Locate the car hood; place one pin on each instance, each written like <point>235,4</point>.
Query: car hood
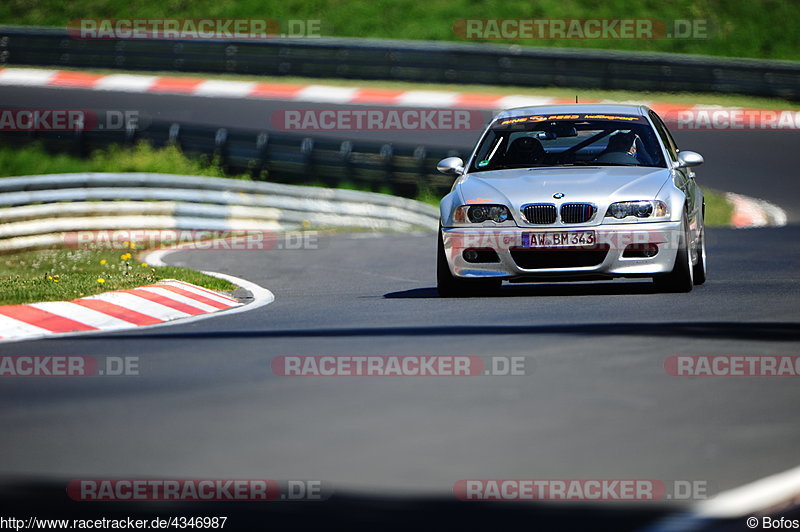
<point>601,185</point>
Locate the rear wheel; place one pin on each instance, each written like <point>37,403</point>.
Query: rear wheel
<point>450,286</point>
<point>680,279</point>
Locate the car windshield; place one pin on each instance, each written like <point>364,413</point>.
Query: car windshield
<point>568,140</point>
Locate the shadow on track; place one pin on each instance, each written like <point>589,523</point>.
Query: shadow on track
<point>548,289</point>
<point>760,331</point>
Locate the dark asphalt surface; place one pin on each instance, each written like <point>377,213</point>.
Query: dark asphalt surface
<point>598,403</point>
<point>756,163</point>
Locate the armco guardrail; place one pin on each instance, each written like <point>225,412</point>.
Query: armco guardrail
<point>405,170</point>
<point>41,211</point>
<point>435,62</point>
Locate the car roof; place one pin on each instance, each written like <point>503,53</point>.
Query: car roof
<point>639,110</point>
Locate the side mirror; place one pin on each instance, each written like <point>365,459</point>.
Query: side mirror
<point>688,159</point>
<point>451,166</point>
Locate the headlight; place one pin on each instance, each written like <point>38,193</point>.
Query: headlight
<point>639,209</point>
<point>482,213</point>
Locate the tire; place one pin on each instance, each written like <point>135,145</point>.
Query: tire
<point>699,269</point>
<point>450,286</point>
<point>680,279</point>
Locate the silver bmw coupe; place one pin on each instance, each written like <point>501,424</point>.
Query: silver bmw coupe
<point>572,192</point>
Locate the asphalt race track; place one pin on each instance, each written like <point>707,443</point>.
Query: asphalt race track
<point>761,164</point>
<point>597,403</point>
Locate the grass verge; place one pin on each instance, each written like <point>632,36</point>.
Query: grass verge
<point>35,160</point>
<point>719,210</point>
<point>754,28</point>
<point>63,275</point>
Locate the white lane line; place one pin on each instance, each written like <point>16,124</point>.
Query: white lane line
<point>237,89</point>
<point>142,305</point>
<point>427,99</point>
<point>169,294</point>
<point>509,102</point>
<point>19,329</point>
<point>762,494</point>
<point>125,83</point>
<point>25,76</point>
<point>769,494</point>
<point>326,93</point>
<point>82,314</point>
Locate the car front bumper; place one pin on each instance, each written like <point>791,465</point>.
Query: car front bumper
<point>603,258</point>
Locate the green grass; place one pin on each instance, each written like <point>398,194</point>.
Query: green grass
<point>34,160</point>
<point>719,210</point>
<point>63,275</point>
<point>755,28</point>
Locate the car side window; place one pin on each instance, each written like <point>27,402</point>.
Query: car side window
<point>666,138</point>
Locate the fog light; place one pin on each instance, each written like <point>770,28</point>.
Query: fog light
<point>640,251</point>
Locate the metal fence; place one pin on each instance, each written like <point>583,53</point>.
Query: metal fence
<point>48,210</point>
<point>435,62</point>
<point>405,170</point>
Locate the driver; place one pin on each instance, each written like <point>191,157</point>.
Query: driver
<point>524,151</point>
<point>621,149</point>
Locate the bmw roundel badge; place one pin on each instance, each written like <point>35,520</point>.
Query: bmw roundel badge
<point>558,195</point>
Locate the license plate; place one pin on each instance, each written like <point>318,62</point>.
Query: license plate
<point>558,239</point>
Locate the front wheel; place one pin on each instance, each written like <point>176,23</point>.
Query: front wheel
<point>450,286</point>
<point>699,269</point>
<point>681,278</point>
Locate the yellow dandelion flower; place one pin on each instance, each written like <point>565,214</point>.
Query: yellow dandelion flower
<point>126,244</point>
<point>133,245</point>
<point>144,265</point>
<point>103,262</point>
<point>55,280</point>
<point>50,277</point>
<point>101,280</point>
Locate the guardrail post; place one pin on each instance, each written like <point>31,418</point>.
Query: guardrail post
<point>307,152</point>
<point>80,142</point>
<point>4,53</point>
<point>262,149</point>
<point>130,133</point>
<point>220,148</point>
<point>174,138</point>
<point>387,156</point>
<point>420,155</point>
<point>346,153</point>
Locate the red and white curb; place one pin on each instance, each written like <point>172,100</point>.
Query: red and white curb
<point>218,88</point>
<point>165,302</point>
<point>752,212</point>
